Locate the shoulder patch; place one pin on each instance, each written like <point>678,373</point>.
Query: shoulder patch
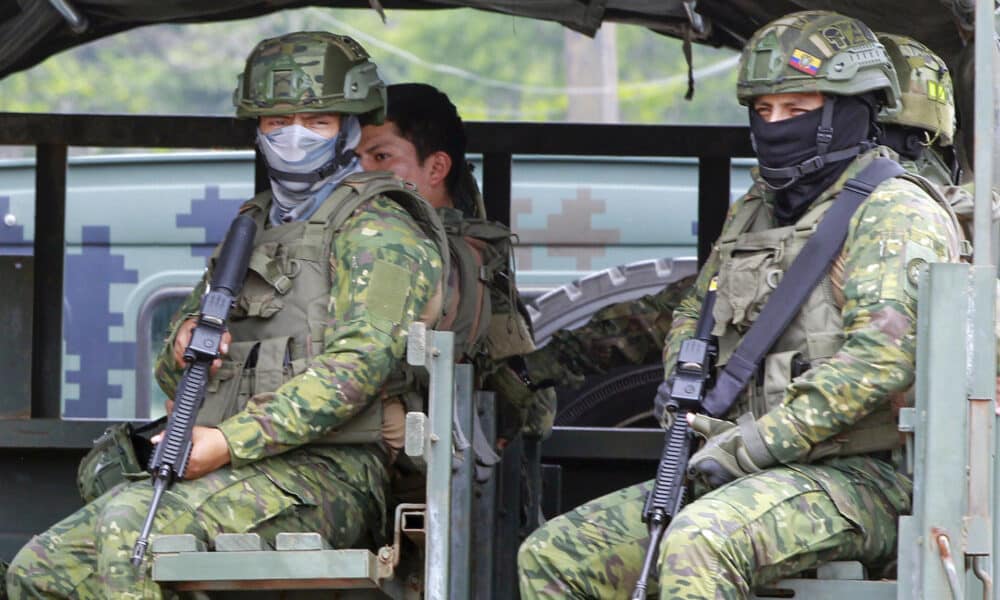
<point>386,298</point>
<point>916,259</point>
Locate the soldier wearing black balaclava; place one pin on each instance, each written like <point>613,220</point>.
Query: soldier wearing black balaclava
<point>800,469</point>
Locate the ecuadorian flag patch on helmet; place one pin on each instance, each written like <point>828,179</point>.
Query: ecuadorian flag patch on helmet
<point>805,62</point>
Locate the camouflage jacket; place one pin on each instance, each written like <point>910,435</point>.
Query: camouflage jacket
<point>877,358</point>
<point>622,334</point>
<point>363,346</point>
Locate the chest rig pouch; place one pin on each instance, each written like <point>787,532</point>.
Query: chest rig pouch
<point>753,261</point>
<point>278,322</point>
<point>770,333</point>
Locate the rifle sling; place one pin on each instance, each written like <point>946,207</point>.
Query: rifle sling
<point>799,280</point>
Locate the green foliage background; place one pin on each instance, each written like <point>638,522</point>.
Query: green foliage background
<point>494,67</point>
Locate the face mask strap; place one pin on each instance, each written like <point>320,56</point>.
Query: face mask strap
<point>824,133</point>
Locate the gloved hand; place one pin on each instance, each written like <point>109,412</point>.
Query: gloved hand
<point>663,416</point>
<point>730,451</point>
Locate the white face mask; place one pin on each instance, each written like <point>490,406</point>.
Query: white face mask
<point>296,149</point>
<point>304,166</point>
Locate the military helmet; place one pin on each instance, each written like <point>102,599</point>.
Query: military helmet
<point>309,71</point>
<point>927,93</point>
<point>816,51</point>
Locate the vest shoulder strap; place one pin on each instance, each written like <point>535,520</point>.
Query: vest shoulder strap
<point>257,204</point>
<point>802,276</point>
<point>256,208</point>
<point>743,218</point>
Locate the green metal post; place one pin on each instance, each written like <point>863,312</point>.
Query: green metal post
<point>484,505</point>
<point>435,351</point>
<point>461,488</point>
<point>16,322</point>
<point>983,387</point>
<point>931,540</point>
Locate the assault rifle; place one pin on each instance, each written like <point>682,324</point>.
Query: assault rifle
<point>690,382</point>
<point>170,459</point>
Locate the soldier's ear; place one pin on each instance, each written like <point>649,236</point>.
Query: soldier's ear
<point>438,165</point>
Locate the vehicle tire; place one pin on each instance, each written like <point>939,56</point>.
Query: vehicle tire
<point>622,397</point>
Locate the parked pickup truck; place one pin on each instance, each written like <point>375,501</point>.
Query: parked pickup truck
<point>139,229</point>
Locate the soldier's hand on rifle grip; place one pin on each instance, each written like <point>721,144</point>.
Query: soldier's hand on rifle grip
<point>183,338</point>
<point>209,451</point>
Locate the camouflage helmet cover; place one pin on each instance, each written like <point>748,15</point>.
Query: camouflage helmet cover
<point>816,51</point>
<point>927,93</point>
<point>309,71</point>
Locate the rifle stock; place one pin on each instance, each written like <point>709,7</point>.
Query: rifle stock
<point>170,459</point>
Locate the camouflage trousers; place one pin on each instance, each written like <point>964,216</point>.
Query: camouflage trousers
<point>338,491</point>
<point>753,531</point>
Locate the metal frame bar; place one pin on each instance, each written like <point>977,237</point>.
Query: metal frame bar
<point>497,179</point>
<point>484,505</point>
<point>125,131</point>
<point>460,584</point>
<point>440,348</point>
<point>940,457</point>
<point>508,521</point>
<point>984,345</point>
<point>16,273</point>
<point>50,250</point>
<point>713,184</point>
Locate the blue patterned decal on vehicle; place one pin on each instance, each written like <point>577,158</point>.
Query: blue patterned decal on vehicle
<point>88,320</point>
<point>213,214</point>
<point>12,236</point>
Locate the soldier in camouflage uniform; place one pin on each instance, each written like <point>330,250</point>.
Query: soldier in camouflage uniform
<point>318,334</point>
<point>807,476</point>
<point>922,134</point>
<point>923,131</point>
<point>423,141</point>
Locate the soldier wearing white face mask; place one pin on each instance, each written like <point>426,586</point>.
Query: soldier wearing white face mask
<point>342,263</point>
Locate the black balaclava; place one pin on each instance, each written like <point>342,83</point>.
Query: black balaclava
<point>909,142</point>
<point>804,155</point>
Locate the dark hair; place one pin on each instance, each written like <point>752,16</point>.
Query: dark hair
<point>427,119</point>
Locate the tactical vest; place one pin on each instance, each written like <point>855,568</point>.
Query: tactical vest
<point>753,256</point>
<point>278,321</point>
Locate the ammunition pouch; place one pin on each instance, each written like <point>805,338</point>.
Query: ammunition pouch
<point>120,454</point>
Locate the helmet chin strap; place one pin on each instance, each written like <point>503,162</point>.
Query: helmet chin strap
<point>824,137</point>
